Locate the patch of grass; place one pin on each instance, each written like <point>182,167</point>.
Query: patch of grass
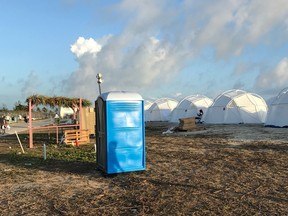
<point>64,153</point>
<point>83,153</point>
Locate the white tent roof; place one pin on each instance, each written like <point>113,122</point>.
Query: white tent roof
<point>161,110</point>
<point>63,111</point>
<point>270,101</point>
<point>147,104</point>
<point>190,106</point>
<point>278,111</point>
<point>235,107</point>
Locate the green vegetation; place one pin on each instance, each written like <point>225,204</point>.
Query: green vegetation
<point>20,107</point>
<point>83,153</point>
<point>56,101</point>
<point>55,155</point>
<point>3,108</point>
<point>45,102</point>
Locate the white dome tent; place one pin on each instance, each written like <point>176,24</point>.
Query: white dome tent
<point>147,104</point>
<point>237,107</point>
<point>190,106</point>
<point>278,111</point>
<point>270,101</point>
<point>161,110</point>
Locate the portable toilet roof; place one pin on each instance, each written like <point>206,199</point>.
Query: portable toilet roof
<point>190,106</point>
<point>121,95</point>
<point>237,107</point>
<point>161,110</point>
<point>278,111</point>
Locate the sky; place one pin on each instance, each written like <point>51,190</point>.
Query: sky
<point>163,48</point>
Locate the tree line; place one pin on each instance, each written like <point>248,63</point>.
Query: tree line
<point>18,106</point>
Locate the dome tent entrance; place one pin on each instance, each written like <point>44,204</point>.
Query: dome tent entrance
<point>235,107</point>
<point>190,106</point>
<point>161,110</point>
<point>278,111</point>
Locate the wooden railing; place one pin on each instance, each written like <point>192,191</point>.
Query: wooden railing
<point>77,137</point>
<point>57,128</point>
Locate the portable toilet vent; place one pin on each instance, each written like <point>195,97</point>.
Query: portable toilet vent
<point>120,132</point>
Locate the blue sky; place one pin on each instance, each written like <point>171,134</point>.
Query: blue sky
<point>157,48</point>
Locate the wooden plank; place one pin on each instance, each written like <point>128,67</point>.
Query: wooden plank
<point>81,136</point>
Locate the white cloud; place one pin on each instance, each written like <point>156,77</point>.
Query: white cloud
<point>125,66</point>
<point>178,94</point>
<point>229,26</point>
<point>244,68</point>
<point>83,46</point>
<point>238,85</point>
<point>160,38</point>
<point>30,84</point>
<point>276,78</point>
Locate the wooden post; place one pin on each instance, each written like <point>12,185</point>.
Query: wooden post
<point>30,124</point>
<point>19,141</point>
<point>80,113</point>
<point>57,134</point>
<point>74,113</point>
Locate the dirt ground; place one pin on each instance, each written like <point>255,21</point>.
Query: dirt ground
<point>212,170</point>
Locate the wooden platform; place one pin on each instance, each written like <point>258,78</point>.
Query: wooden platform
<point>74,137</point>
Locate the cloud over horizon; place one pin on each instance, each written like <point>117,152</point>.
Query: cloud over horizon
<point>275,78</point>
<point>30,84</point>
<point>160,39</point>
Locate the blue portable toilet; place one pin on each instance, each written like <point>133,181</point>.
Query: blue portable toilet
<point>120,132</point>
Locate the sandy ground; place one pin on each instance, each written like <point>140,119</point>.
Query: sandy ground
<point>212,170</point>
<point>21,126</point>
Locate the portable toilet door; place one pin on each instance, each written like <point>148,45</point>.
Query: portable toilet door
<point>120,132</point>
